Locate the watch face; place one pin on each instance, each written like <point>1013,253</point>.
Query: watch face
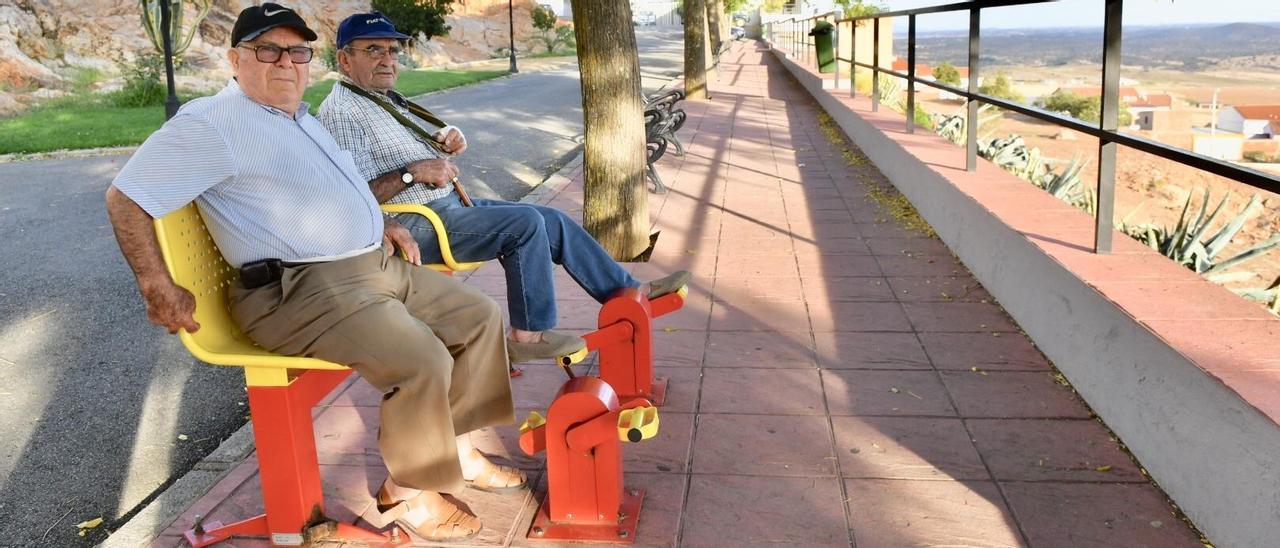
<point>406,177</point>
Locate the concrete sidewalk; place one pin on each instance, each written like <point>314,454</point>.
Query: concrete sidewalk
<point>836,379</point>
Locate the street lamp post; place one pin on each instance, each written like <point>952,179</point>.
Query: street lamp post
<point>170,102</point>
<point>511,20</point>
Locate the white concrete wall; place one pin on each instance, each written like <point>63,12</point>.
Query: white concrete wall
<point>1217,456</point>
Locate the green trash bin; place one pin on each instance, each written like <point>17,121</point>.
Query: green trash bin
<point>823,33</point>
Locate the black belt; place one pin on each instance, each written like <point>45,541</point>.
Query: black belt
<point>259,273</point>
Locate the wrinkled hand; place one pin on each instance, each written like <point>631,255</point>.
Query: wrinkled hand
<point>437,173</point>
<point>452,142</point>
<point>171,307</point>
<point>396,236</point>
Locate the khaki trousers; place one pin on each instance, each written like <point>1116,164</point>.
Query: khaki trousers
<point>434,347</point>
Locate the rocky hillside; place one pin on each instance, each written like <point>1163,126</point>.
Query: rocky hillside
<point>45,44</point>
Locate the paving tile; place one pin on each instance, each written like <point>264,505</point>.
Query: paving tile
<point>693,316</point>
<point>894,247</point>
<point>765,445</point>
<point>855,392</point>
<point>683,388</point>
<point>734,289</point>
<point>756,315</point>
<point>906,448</point>
<point>762,391</point>
<point>988,351</point>
<point>859,316</point>
<point>1086,514</point>
<point>1009,394</point>
<point>678,347</point>
<point>939,289</point>
<point>847,289</point>
<point>929,513</point>
<point>958,317</point>
<point>887,230</point>
<point>348,435</point>
<point>765,266</point>
<point>667,452</point>
<point>1049,450</point>
<point>836,266</point>
<point>760,349</point>
<point>758,511</point>
<point>921,266</point>
<point>849,350</point>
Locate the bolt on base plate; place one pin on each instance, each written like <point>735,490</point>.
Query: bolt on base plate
<point>622,532</point>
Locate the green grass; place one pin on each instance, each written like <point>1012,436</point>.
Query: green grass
<point>92,122</point>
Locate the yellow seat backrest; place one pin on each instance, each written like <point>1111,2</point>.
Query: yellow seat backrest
<point>197,265</point>
<point>442,237</point>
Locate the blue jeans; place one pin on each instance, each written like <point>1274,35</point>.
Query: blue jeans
<point>526,239</point>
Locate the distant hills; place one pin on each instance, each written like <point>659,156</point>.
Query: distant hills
<point>1180,47</point>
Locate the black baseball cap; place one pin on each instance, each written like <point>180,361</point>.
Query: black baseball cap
<point>255,20</point>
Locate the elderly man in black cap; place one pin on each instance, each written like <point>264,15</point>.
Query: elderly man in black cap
<point>406,162</point>
<point>318,278</point>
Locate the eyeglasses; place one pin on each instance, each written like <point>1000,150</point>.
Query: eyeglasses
<point>299,55</point>
<point>379,52</point>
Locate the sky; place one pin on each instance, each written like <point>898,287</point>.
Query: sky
<point>1070,13</point>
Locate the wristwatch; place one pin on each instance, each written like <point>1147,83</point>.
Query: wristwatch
<point>406,177</point>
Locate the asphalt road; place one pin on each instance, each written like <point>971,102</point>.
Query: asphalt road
<point>102,410</point>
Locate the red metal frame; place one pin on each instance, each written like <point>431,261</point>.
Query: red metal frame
<point>288,467</point>
<point>625,343</point>
<point>585,499</point>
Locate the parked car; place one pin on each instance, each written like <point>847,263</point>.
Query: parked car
<point>644,19</point>
<point>737,33</point>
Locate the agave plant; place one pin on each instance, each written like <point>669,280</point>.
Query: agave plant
<point>1067,186</point>
<point>180,34</point>
<point>952,128</point>
<point>1188,244</point>
<point>1269,296</point>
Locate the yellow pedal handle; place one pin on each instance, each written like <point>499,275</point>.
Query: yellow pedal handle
<point>534,420</point>
<point>683,291</point>
<point>573,358</point>
<point>638,423</point>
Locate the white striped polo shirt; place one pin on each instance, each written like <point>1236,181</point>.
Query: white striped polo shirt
<point>268,184</point>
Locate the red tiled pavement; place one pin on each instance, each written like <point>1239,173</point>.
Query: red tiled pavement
<point>835,378</point>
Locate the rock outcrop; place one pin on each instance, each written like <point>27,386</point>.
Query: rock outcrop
<point>45,43</point>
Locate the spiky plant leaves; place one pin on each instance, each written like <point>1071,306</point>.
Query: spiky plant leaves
<point>1251,253</point>
<point>1224,236</point>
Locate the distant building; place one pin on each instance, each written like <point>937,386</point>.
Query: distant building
<point>1251,121</point>
<point>1165,120</point>
<point>654,12</point>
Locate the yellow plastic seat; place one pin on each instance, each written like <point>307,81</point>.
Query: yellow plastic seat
<point>449,265</point>
<point>197,265</point>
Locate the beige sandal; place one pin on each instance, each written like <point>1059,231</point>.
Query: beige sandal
<point>458,526</point>
<point>495,479</point>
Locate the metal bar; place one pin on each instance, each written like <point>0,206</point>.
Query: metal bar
<point>875,62</point>
<point>1106,197</point>
<point>971,123</point>
<point>911,74</point>
<point>958,6</point>
<point>835,54</point>
<point>1251,177</point>
<point>853,59</point>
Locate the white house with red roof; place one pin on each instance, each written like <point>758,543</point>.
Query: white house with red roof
<point>1251,121</point>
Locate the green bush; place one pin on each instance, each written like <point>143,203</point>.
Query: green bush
<point>1257,156</point>
<point>1088,109</point>
<point>142,84</point>
<point>416,16</point>
<point>329,57</point>
<point>1001,87</point>
<point>946,73</point>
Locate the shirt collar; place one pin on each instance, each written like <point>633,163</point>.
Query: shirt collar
<point>304,108</point>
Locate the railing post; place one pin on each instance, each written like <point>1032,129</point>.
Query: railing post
<point>853,59</point>
<point>971,123</point>
<point>911,73</point>
<point>1110,121</point>
<point>875,63</point>
<point>835,46</point>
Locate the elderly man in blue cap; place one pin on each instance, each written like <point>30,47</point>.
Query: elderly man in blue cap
<point>407,162</point>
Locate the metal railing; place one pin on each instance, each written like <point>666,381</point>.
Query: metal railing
<point>792,36</point>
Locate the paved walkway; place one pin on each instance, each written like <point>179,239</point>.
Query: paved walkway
<point>835,378</point>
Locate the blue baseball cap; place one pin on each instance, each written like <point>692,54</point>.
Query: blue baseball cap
<point>367,25</point>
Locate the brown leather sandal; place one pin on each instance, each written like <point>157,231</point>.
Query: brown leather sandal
<point>458,526</point>
<point>494,478</point>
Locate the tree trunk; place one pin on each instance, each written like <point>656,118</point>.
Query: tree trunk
<point>695,50</point>
<point>714,29</point>
<point>616,201</point>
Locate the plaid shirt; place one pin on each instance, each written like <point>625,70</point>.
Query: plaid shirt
<point>378,142</point>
